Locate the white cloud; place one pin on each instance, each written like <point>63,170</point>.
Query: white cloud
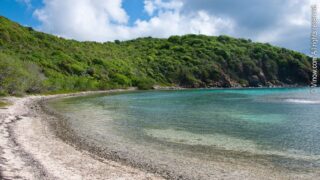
<point>173,23</point>
<point>281,23</point>
<point>292,28</point>
<point>26,2</point>
<point>151,6</point>
<point>82,19</point>
<point>104,20</point>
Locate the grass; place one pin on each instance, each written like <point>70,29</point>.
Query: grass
<point>4,104</point>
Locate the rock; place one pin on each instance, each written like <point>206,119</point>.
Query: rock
<point>254,81</point>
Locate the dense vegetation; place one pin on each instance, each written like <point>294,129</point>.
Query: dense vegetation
<point>33,62</point>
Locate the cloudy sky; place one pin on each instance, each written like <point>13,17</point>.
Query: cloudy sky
<point>283,23</point>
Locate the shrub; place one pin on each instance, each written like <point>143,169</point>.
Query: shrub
<point>18,77</point>
<point>121,79</point>
<point>143,83</point>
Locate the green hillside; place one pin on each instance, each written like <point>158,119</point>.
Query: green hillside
<point>34,62</point>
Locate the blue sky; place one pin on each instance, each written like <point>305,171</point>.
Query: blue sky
<point>21,11</point>
<point>284,23</point>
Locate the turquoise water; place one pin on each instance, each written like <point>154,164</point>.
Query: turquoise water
<point>283,124</point>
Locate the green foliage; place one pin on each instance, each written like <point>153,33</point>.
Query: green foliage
<point>121,80</point>
<point>4,104</point>
<point>33,62</point>
<point>143,83</point>
<point>18,77</point>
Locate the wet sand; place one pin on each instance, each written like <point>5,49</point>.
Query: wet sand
<point>31,149</point>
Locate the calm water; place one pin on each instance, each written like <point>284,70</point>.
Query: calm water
<point>280,125</point>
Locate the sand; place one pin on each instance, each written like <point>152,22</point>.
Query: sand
<point>29,150</point>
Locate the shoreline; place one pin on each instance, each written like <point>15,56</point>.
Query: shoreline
<point>30,150</point>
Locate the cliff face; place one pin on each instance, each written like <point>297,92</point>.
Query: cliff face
<point>50,63</point>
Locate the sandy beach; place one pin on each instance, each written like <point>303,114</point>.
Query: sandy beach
<point>29,150</point>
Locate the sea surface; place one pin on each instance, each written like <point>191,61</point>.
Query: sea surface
<point>183,130</point>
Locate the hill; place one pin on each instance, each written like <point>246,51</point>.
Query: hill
<point>34,62</point>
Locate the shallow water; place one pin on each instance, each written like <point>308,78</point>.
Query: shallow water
<point>281,126</point>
